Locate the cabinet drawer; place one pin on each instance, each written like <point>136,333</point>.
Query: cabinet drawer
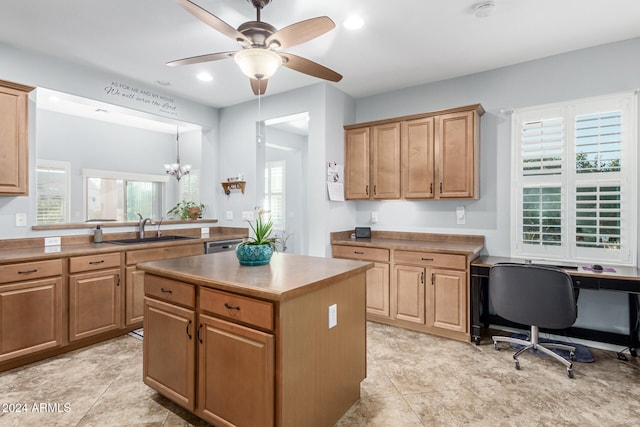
<point>169,290</point>
<point>236,307</point>
<point>458,262</point>
<point>30,270</point>
<point>167,252</point>
<point>361,253</point>
<point>94,262</point>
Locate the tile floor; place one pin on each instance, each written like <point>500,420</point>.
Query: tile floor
<point>413,380</point>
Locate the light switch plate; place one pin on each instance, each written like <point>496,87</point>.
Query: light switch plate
<point>460,215</point>
<point>230,215</point>
<point>21,220</point>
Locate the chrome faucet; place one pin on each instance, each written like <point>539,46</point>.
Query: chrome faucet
<point>159,233</point>
<point>141,224</point>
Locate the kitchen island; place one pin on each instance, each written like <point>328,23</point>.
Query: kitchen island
<point>281,344</point>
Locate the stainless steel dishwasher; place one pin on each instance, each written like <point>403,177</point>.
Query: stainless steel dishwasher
<point>221,246</point>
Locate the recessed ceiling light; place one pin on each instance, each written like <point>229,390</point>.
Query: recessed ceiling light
<point>485,9</point>
<point>163,82</point>
<point>353,22</point>
<point>205,77</point>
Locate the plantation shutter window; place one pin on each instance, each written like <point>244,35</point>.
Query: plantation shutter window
<point>574,181</point>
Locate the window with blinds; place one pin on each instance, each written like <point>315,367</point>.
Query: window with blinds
<point>275,192</point>
<point>574,179</point>
<point>52,192</point>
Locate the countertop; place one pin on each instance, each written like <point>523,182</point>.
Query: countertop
<point>443,243</point>
<point>10,255</point>
<point>286,277</point>
<point>583,269</point>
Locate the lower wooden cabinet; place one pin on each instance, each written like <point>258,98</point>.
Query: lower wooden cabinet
<point>31,317</point>
<point>94,303</point>
<point>378,289</point>
<point>236,374</point>
<point>409,294</point>
<point>447,307</point>
<point>134,296</point>
<point>169,351</point>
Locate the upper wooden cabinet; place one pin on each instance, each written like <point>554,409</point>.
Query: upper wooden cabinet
<point>425,156</point>
<point>14,142</point>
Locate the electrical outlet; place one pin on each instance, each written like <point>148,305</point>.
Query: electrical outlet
<point>21,220</point>
<point>247,215</point>
<point>52,241</point>
<point>460,216</point>
<point>333,315</point>
<point>230,215</point>
<point>204,232</point>
<point>374,217</point>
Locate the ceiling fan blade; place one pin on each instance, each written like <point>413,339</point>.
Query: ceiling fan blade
<point>301,32</point>
<point>202,58</point>
<point>259,87</point>
<point>309,67</point>
<point>212,21</point>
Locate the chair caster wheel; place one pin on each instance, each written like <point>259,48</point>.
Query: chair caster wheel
<point>517,364</point>
<point>570,373</point>
<point>572,356</point>
<point>495,346</point>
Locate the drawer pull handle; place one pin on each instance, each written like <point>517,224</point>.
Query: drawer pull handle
<point>230,307</point>
<point>96,262</point>
<point>28,271</point>
<point>426,259</point>
<point>189,324</point>
<point>199,338</point>
<point>358,252</point>
<point>166,291</point>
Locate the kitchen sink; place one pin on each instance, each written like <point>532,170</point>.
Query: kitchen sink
<point>148,240</point>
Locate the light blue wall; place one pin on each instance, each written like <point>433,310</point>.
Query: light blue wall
<point>328,110</point>
<point>589,72</point>
<point>39,70</point>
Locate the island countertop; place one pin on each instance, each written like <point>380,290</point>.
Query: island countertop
<point>285,277</point>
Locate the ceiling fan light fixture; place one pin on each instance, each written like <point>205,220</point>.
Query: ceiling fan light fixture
<point>485,9</point>
<point>258,63</point>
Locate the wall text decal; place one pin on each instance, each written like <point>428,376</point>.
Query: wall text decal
<point>164,104</point>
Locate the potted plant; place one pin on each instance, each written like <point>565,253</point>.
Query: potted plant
<point>186,209</point>
<point>257,250</point>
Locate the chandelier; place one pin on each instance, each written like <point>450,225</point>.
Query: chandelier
<point>176,169</point>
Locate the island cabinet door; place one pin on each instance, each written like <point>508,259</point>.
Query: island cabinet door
<point>169,351</point>
<point>236,376</point>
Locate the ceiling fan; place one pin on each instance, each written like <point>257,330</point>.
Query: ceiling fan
<point>260,56</point>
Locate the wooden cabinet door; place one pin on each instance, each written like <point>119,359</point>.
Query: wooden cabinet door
<point>94,303</point>
<point>455,153</point>
<point>236,374</point>
<point>447,300</point>
<point>378,289</point>
<point>169,351</point>
<point>417,159</point>
<point>31,318</point>
<point>408,294</point>
<point>14,143</point>
<point>134,296</point>
<point>385,169</point>
<point>356,174</point>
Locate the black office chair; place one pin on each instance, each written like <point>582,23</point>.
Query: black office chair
<point>535,295</point>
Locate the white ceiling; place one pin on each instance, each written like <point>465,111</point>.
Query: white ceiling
<point>403,43</point>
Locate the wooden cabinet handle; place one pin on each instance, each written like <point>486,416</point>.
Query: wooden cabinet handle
<point>426,259</point>
<point>189,324</point>
<point>230,307</point>
<point>440,187</point>
<point>28,271</point>
<point>200,327</point>
<point>375,190</point>
<point>431,187</point>
<point>422,277</point>
<point>432,278</point>
<point>117,279</point>
<point>166,291</point>
<point>96,262</point>
<point>358,253</point>
<point>367,190</point>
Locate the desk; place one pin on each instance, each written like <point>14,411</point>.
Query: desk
<point>625,279</point>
